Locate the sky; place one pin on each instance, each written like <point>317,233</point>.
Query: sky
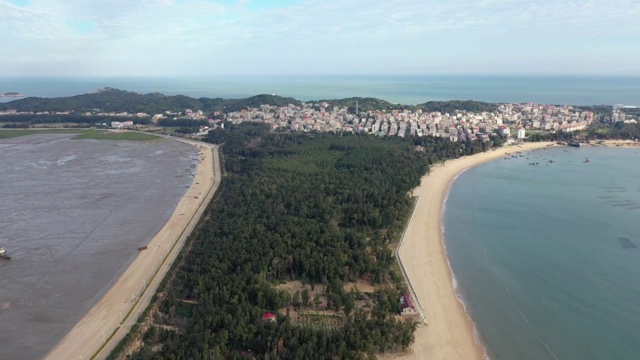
<point>315,37</point>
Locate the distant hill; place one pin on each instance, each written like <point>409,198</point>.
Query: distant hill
<point>110,99</point>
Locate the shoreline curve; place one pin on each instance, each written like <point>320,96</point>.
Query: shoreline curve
<point>422,255</point>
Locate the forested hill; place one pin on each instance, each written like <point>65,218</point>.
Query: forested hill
<point>126,101</point>
<point>114,100</point>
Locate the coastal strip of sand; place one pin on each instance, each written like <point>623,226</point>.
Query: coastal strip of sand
<point>100,330</point>
<point>617,143</point>
<point>449,333</point>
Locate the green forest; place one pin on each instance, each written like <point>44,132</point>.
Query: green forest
<point>317,210</point>
<point>454,105</point>
<point>618,130</point>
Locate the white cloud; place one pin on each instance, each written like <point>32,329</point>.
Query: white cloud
<point>229,37</point>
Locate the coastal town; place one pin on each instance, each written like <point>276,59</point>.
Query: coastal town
<point>510,119</point>
<point>517,120</point>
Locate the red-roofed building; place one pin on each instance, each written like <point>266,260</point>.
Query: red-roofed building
<point>503,131</point>
<point>407,305</point>
<point>269,317</point>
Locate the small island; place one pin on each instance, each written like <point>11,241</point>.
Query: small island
<point>13,94</point>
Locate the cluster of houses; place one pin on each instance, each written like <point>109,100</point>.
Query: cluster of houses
<point>16,112</point>
<point>508,120</point>
<point>121,124</point>
<point>619,115</point>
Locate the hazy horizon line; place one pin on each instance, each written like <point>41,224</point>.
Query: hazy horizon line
<point>390,74</point>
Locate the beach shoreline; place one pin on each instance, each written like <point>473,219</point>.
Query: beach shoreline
<point>449,332</point>
<point>617,143</point>
<point>111,318</point>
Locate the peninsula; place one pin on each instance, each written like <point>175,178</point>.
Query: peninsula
<point>459,121</point>
<point>323,260</point>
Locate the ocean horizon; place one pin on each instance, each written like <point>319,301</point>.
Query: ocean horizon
<point>545,257</point>
<point>402,89</point>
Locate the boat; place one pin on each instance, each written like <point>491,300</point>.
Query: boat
<point>5,257</point>
<point>142,248</point>
<point>586,160</point>
<point>574,144</point>
<point>1,250</point>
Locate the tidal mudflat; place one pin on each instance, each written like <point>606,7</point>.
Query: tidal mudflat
<point>72,215</point>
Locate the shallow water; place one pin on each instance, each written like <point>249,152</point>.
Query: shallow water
<point>72,215</point>
<point>542,253</point>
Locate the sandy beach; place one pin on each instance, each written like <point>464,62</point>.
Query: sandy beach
<point>110,319</point>
<point>449,333</point>
<point>617,143</point>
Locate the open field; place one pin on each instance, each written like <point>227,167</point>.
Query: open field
<point>82,134</point>
<point>7,134</point>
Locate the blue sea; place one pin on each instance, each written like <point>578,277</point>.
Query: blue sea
<point>547,257</point>
<point>404,89</point>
